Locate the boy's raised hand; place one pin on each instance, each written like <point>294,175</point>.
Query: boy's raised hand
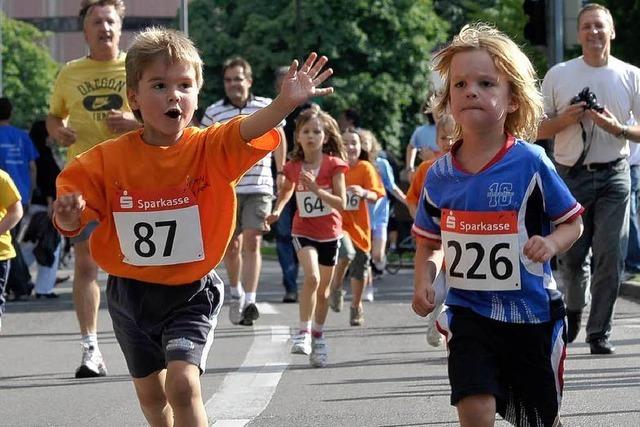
<point>301,84</point>
<point>67,210</point>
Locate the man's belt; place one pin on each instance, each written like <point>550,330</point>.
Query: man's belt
<point>591,167</point>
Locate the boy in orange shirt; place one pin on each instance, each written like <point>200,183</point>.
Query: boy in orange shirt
<point>164,198</point>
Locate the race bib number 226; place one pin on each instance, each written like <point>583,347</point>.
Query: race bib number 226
<point>481,250</point>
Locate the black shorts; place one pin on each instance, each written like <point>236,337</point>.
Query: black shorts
<point>521,365</point>
<point>155,324</point>
<point>327,251</point>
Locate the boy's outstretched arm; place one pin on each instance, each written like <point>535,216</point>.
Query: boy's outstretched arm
<point>297,87</point>
<point>67,210</point>
<point>542,249</point>
<point>428,259</point>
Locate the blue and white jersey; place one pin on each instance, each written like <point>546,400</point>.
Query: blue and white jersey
<point>484,220</point>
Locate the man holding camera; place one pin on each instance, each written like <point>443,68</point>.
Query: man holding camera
<point>588,101</point>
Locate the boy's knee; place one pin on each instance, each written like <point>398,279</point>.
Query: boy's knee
<point>477,410</point>
<point>182,387</point>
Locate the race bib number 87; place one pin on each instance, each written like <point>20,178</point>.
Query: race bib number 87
<point>481,250</point>
<point>158,227</point>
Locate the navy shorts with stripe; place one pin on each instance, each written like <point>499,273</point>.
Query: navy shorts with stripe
<point>522,365</point>
<point>155,324</point>
<point>327,251</point>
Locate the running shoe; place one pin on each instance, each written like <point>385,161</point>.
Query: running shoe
<point>92,365</point>
<point>301,343</point>
<point>249,315</point>
<point>336,300</point>
<point>319,353</point>
<point>357,316</point>
<point>235,309</point>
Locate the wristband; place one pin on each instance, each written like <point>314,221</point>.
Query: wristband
<point>279,173</point>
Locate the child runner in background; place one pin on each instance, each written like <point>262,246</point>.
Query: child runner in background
<point>164,198</point>
<point>379,210</point>
<point>10,216</point>
<point>488,207</point>
<point>363,185</point>
<point>316,174</point>
<point>445,129</point>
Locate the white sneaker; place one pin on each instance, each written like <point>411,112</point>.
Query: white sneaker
<point>92,364</point>
<point>301,344</point>
<point>235,309</point>
<point>434,338</point>
<point>368,293</point>
<point>319,353</point>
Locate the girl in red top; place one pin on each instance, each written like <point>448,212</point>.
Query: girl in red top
<point>316,174</point>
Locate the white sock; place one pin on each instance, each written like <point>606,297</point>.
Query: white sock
<point>91,340</point>
<point>236,291</point>
<point>317,329</point>
<point>250,298</point>
<point>305,327</point>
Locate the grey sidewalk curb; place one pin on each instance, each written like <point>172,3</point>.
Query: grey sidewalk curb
<point>630,289</point>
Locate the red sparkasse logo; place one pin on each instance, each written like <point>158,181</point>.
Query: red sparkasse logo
<point>469,222</point>
<point>153,200</point>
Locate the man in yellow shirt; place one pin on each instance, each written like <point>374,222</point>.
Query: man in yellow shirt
<point>88,106</point>
<point>10,215</point>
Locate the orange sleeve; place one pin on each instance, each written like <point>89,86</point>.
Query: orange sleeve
<point>233,155</point>
<point>413,193</point>
<point>373,182</point>
<point>84,175</point>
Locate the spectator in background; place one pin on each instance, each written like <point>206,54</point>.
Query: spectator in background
<point>89,105</point>
<point>591,150</point>
<point>255,191</point>
<point>422,139</point>
<point>287,257</point>
<point>632,260</point>
<point>41,241</point>
<point>17,158</point>
<point>349,119</point>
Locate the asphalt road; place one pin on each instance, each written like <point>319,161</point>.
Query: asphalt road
<point>382,374</point>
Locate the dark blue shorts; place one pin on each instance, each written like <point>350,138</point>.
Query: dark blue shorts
<point>155,324</point>
<point>521,365</point>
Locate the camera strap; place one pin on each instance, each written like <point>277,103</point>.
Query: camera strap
<point>586,145</point>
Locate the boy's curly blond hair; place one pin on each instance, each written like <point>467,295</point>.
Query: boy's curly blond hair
<point>509,60</point>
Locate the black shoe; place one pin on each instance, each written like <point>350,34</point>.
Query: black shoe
<point>51,295</point>
<point>290,297</point>
<point>250,313</point>
<point>601,346</point>
<point>61,279</point>
<point>574,320</point>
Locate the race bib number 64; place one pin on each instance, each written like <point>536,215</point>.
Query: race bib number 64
<point>481,250</point>
<point>159,227</point>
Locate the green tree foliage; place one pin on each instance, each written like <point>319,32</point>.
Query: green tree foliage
<point>506,15</point>
<point>379,51</point>
<point>626,14</point>
<point>28,70</point>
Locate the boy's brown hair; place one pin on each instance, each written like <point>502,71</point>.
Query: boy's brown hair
<point>509,60</point>
<point>154,43</point>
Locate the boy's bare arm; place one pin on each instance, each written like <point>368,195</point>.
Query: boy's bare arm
<point>67,210</point>
<point>542,249</point>
<point>427,260</point>
<point>297,87</point>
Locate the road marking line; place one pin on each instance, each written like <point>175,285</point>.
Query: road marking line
<point>266,308</point>
<point>244,394</point>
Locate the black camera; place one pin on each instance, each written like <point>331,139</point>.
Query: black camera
<point>591,102</point>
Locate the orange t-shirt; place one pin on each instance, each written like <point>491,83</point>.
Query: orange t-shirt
<point>413,193</point>
<point>355,218</point>
<point>166,214</point>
